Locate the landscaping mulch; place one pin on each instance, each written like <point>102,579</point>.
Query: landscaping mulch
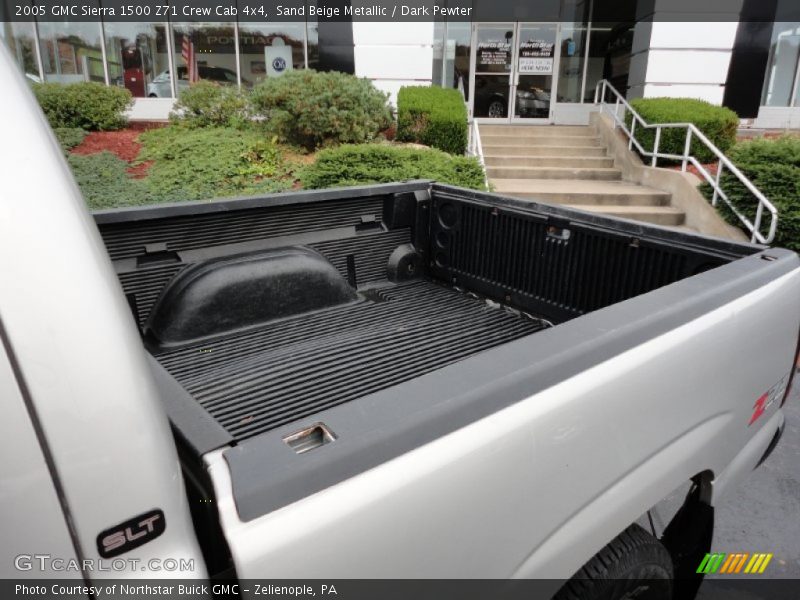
<point>124,143</point>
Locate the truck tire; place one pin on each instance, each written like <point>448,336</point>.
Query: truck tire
<point>634,565</point>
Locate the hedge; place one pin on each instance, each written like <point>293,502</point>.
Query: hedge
<point>208,104</point>
<point>89,105</point>
<point>384,163</point>
<point>774,167</point>
<point>718,124</point>
<point>433,116</point>
<point>312,109</point>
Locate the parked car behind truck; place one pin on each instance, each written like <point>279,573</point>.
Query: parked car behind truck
<point>400,381</point>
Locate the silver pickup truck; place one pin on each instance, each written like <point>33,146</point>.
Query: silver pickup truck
<point>396,381</point>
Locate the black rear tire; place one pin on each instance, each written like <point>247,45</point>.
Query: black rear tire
<point>633,566</point>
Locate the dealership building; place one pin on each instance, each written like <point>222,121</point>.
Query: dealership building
<point>540,65</point>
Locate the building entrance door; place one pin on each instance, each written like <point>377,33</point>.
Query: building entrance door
<point>514,67</point>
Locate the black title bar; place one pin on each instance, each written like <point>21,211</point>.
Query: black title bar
<point>377,10</point>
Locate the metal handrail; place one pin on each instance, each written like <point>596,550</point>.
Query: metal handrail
<point>621,104</point>
<point>475,147</point>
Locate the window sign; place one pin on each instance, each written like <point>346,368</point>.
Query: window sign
<point>536,57</point>
<point>535,66</point>
<point>492,54</point>
<point>278,58</point>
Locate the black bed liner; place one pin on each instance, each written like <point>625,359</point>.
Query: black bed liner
<point>266,377</point>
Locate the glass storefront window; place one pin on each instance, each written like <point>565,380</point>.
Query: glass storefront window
<point>573,55</point>
<point>204,51</point>
<point>269,50</point>
<point>456,55</point>
<point>312,32</point>
<point>451,50</point>
<point>71,52</point>
<point>781,85</point>
<point>138,59</point>
<point>439,28</point>
<point>138,53</point>
<point>138,56</point>
<point>609,55</point>
<point>575,17</point>
<point>20,40</point>
<point>797,88</point>
<point>494,55</point>
<point>536,54</point>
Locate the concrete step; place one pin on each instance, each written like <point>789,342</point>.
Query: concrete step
<point>658,215</point>
<point>515,140</point>
<point>569,166</point>
<point>537,131</point>
<point>601,174</point>
<point>582,192</point>
<point>543,150</point>
<point>502,160</point>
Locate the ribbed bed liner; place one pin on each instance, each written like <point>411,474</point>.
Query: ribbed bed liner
<point>370,251</point>
<point>263,378</point>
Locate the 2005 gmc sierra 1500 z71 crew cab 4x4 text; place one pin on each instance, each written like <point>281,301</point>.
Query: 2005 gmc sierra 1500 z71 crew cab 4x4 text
<point>399,381</point>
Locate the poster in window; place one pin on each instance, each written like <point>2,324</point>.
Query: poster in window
<point>535,66</point>
<point>536,57</point>
<point>493,54</point>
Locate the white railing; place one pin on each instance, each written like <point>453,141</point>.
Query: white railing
<point>475,148</point>
<point>622,112</point>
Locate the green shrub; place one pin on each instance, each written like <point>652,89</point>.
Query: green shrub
<point>312,109</point>
<point>69,137</point>
<point>104,181</point>
<point>210,162</point>
<point>207,104</point>
<point>433,116</point>
<point>384,163</point>
<point>774,167</point>
<point>90,106</point>
<point>718,124</point>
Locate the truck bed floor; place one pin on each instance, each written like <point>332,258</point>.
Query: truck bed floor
<point>265,377</point>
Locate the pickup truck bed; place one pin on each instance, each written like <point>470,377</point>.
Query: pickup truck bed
<point>366,315</point>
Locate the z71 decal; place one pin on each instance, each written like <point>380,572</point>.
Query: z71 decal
<point>768,398</point>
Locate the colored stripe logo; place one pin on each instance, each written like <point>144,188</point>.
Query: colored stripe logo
<point>733,563</point>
